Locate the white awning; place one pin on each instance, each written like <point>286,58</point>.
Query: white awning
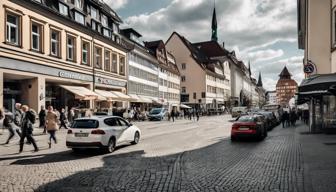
<point>121,96</point>
<point>145,99</point>
<point>107,94</point>
<point>185,106</point>
<point>135,98</point>
<point>82,92</point>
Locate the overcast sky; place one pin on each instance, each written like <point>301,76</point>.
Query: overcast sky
<point>262,31</point>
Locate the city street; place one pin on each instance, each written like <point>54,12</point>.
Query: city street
<point>189,156</point>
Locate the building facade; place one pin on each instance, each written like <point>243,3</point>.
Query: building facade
<point>286,88</point>
<point>271,98</point>
<point>169,75</point>
<point>143,71</point>
<point>59,52</point>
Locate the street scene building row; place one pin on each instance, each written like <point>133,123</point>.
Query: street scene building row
<point>74,54</point>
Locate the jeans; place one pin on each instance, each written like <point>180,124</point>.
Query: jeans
<point>52,136</point>
<point>12,129</point>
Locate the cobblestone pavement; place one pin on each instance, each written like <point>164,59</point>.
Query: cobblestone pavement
<point>184,156</point>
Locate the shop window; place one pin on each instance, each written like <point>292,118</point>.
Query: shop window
<point>98,57</point>
<point>114,63</point>
<point>13,31</point>
<point>55,43</point>
<point>85,53</point>
<point>107,62</point>
<point>71,48</point>
<point>121,65</point>
<point>36,37</point>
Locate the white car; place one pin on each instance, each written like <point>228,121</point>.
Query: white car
<point>104,132</point>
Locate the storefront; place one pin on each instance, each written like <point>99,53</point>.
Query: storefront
<point>319,92</point>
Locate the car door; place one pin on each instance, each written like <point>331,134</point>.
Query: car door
<point>127,134</point>
<point>114,127</point>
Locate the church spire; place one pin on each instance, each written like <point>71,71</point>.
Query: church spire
<point>259,84</point>
<point>249,68</point>
<point>214,26</point>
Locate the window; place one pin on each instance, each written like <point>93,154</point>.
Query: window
<point>333,28</point>
<point>115,28</point>
<point>121,65</point>
<point>183,90</point>
<point>104,20</point>
<point>98,58</point>
<point>55,43</point>
<point>94,13</point>
<point>107,62</point>
<point>111,122</point>
<point>79,4</point>
<point>85,53</point>
<point>63,9</point>
<point>36,37</point>
<point>114,63</point>
<point>183,78</point>
<point>203,94</point>
<point>106,32</point>
<point>79,18</point>
<point>71,48</point>
<point>183,66</point>
<point>12,29</point>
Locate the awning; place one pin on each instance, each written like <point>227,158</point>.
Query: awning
<point>82,93</point>
<point>135,98</point>
<point>107,94</point>
<point>183,106</point>
<point>121,96</point>
<point>145,99</point>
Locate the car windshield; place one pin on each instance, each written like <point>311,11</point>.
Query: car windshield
<point>85,124</point>
<point>246,119</point>
<point>155,111</point>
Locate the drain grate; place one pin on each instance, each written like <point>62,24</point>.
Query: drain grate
<point>330,143</point>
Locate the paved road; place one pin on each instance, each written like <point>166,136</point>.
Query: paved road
<point>180,156</point>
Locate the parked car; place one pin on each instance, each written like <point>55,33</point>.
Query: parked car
<point>100,113</point>
<point>271,120</point>
<point>104,132</point>
<point>249,126</point>
<point>157,114</point>
<point>237,111</point>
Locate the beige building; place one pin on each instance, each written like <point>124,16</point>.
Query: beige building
<point>317,34</point>
<point>201,65</point>
<point>61,53</point>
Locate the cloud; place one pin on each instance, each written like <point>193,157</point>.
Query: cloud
<point>264,55</point>
<point>116,4</point>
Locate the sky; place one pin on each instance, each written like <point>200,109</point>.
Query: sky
<point>263,32</point>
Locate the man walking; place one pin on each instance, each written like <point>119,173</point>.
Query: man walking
<point>8,122</point>
<point>62,119</point>
<point>27,121</point>
<point>42,118</point>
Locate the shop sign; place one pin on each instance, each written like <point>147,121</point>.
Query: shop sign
<point>72,75</point>
<point>112,82</point>
<point>309,68</point>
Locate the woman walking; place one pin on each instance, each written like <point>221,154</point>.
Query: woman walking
<point>51,125</point>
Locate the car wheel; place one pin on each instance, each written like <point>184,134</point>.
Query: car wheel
<point>111,146</point>
<point>136,138</point>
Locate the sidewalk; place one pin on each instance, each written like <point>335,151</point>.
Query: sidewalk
<point>319,157</point>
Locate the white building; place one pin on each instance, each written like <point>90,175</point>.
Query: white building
<point>271,97</point>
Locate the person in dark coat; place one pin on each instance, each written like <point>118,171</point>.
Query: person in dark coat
<point>172,115</point>
<point>63,119</point>
<point>27,121</point>
<point>293,118</point>
<point>42,118</point>
<point>284,119</point>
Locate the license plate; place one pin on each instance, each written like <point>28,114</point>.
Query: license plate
<point>81,134</point>
<point>243,128</point>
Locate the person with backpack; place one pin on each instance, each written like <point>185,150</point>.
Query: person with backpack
<point>8,122</point>
<point>27,121</point>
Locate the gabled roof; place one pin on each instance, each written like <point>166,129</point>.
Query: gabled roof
<point>128,31</point>
<point>211,48</point>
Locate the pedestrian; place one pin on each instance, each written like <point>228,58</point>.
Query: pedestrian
<point>62,119</point>
<point>8,122</point>
<point>17,114</point>
<point>293,118</point>
<point>190,114</point>
<point>284,119</point>
<point>51,125</point>
<point>42,118</point>
<point>172,115</point>
<point>71,115</point>
<point>197,114</point>
<point>27,121</point>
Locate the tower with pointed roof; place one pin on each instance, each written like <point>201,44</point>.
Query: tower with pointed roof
<point>259,84</point>
<point>249,69</point>
<point>214,26</point>
<point>286,87</point>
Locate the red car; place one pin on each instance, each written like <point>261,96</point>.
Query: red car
<point>249,126</point>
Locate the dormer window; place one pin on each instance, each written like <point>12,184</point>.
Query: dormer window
<point>79,4</point>
<point>63,9</point>
<point>115,28</point>
<point>104,20</point>
<point>94,13</point>
<point>79,18</point>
